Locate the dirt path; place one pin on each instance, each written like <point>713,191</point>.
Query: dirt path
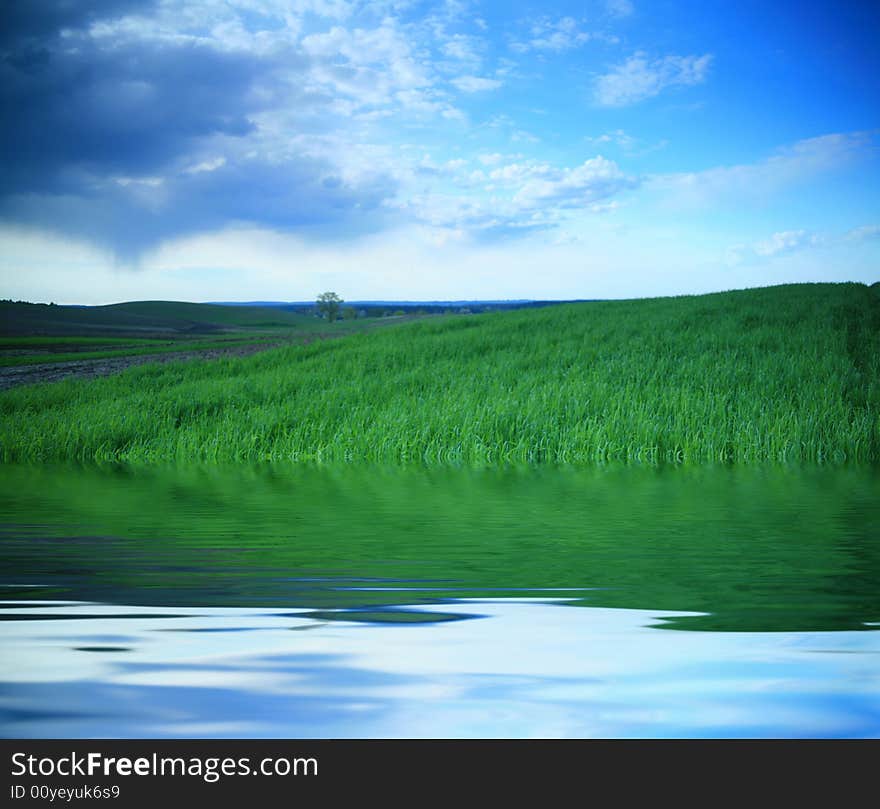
<point>12,376</point>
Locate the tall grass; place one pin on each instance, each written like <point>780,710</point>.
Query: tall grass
<point>779,374</point>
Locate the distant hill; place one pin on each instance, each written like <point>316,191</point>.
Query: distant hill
<point>145,318</point>
<point>141,317</point>
<point>375,308</point>
<point>523,302</point>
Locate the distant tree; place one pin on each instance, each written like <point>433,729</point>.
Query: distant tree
<point>349,313</point>
<point>328,305</point>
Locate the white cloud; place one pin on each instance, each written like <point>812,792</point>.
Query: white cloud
<point>785,241</point>
<point>791,165</point>
<point>595,179</point>
<point>455,9</point>
<point>617,137</point>
<point>585,260</point>
<point>559,35</point>
<point>206,165</point>
<point>604,207</point>
<point>522,136</point>
<point>519,172</point>
<point>619,8</point>
<point>476,84</point>
<point>588,260</point>
<point>371,71</point>
<point>518,197</point>
<point>781,243</point>
<point>629,145</point>
<point>378,60</point>
<point>463,48</point>
<point>864,233</point>
<point>639,78</point>
<point>271,25</point>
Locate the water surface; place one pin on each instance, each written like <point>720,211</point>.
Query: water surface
<point>365,602</point>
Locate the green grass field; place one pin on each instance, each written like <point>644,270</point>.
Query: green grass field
<point>788,373</point>
<point>103,349</point>
<point>38,333</point>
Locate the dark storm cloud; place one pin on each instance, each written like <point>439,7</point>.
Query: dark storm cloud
<point>131,110</point>
<point>302,195</point>
<point>99,136</point>
<point>32,22</point>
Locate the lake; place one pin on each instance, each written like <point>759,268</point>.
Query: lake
<point>309,601</point>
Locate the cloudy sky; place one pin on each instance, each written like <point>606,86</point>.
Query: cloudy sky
<point>272,149</point>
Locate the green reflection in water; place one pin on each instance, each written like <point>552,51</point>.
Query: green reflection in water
<point>756,549</point>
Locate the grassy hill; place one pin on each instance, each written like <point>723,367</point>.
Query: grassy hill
<point>787,373</point>
<point>36,334</point>
<point>151,317</point>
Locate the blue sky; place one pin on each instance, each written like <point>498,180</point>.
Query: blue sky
<point>272,149</point>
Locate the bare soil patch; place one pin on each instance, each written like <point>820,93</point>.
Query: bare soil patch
<point>13,376</point>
